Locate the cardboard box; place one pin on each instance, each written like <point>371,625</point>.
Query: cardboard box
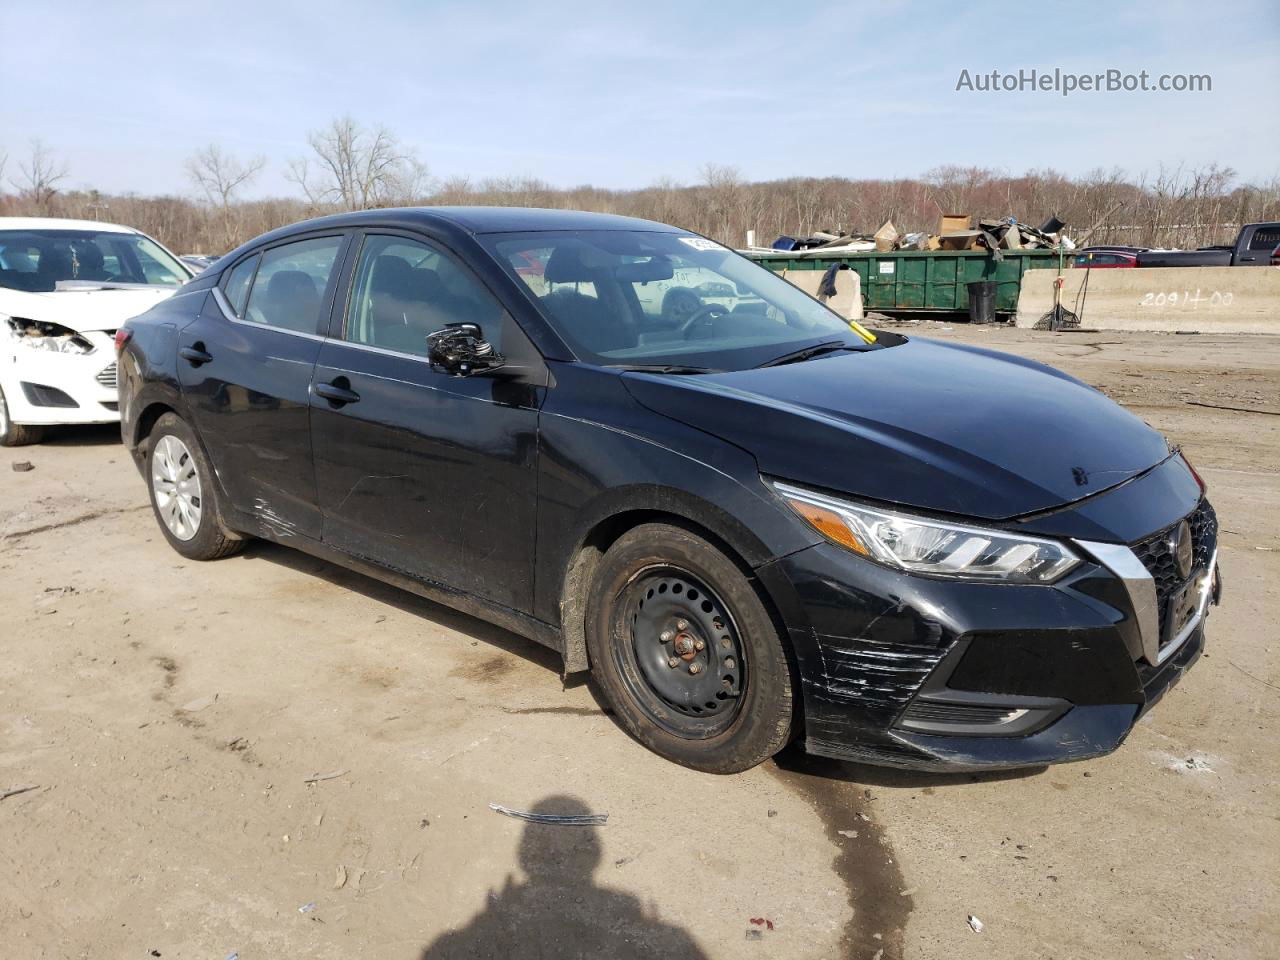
<point>885,236</point>
<point>951,222</point>
<point>959,240</point>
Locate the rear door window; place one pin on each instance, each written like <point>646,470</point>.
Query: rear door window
<point>288,291</point>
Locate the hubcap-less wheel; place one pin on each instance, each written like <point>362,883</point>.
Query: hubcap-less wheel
<point>176,485</point>
<point>683,659</point>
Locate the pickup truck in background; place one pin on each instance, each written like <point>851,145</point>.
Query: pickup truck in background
<point>1252,249</point>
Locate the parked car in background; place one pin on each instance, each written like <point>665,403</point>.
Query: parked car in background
<point>197,262</point>
<point>1095,259</point>
<point>65,286</point>
<point>1252,248</point>
<point>742,523</point>
<point>1113,248</point>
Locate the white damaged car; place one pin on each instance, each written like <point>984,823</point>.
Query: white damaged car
<point>66,286</point>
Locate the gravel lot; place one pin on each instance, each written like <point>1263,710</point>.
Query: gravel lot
<point>171,715</point>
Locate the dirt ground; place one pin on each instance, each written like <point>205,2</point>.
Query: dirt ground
<point>173,715</point>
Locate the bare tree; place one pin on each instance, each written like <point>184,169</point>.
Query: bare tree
<point>358,169</point>
<point>219,175</point>
<point>40,176</point>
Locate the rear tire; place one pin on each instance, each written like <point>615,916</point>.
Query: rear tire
<point>726,705</point>
<point>16,434</point>
<point>184,494</point>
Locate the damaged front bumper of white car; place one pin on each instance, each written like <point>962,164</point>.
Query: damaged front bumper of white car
<point>53,375</point>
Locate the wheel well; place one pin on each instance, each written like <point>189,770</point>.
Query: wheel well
<point>147,419</point>
<point>581,571</point>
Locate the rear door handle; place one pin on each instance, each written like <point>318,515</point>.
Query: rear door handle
<point>338,392</point>
<point>195,354</point>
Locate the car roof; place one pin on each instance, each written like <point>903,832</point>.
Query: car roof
<point>61,223</point>
<point>483,220</point>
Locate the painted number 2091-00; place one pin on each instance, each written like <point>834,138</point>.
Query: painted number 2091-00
<point>1186,299</point>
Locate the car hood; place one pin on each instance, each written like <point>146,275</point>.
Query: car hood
<point>925,424</point>
<point>84,310</point>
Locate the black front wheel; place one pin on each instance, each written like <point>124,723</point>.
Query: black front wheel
<point>686,652</point>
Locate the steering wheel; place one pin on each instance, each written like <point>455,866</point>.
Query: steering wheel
<point>705,315</point>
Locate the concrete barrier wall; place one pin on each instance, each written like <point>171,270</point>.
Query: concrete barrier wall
<point>848,299</point>
<point>1169,299</point>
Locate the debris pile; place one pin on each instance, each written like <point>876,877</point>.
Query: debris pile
<point>956,231</point>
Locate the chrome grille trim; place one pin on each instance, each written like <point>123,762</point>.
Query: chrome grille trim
<point>1140,586</point>
<point>107,376</point>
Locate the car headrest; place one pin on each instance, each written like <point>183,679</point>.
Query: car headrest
<point>392,275</point>
<point>286,284</point>
<point>571,263</point>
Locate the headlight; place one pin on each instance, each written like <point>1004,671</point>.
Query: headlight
<point>924,545</point>
<point>39,335</point>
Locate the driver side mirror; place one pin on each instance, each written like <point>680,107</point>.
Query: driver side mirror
<point>461,350</point>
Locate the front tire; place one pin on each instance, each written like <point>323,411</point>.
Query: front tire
<point>16,434</point>
<point>686,652</point>
<point>184,494</point>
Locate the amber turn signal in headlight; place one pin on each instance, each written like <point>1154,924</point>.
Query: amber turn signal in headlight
<point>925,545</point>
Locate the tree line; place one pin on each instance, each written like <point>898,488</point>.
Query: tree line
<point>350,166</point>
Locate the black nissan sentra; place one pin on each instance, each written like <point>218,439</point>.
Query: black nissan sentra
<point>750,519</point>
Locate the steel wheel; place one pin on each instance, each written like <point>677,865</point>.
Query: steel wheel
<point>683,660</point>
<point>176,484</point>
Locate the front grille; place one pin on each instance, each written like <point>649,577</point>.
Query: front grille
<point>107,376</point>
<point>1158,557</point>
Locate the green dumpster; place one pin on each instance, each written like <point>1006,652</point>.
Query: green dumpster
<point>921,281</point>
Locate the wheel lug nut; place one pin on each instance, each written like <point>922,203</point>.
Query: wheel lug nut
<point>682,624</point>
<point>695,668</point>
<point>699,645</point>
<point>673,662</point>
<point>728,663</point>
<point>666,636</point>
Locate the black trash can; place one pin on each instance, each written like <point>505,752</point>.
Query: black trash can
<point>982,301</point>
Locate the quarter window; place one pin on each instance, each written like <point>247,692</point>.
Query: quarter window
<point>288,291</point>
<point>405,290</point>
<point>236,289</point>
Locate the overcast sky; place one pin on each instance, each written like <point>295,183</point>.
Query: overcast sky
<point>621,94</point>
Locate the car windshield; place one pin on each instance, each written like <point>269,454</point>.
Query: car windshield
<point>39,261</point>
<point>624,298</point>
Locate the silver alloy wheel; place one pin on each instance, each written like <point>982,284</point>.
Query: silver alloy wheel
<point>176,486</point>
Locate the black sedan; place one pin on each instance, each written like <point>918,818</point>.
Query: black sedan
<point>752,520</point>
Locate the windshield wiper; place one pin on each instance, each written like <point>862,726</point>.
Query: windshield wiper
<point>661,368</point>
<point>795,356</point>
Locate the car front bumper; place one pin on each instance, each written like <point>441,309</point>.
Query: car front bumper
<point>47,388</point>
<point>947,675</point>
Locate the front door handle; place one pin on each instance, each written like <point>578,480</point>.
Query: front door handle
<point>195,354</point>
<point>338,392</point>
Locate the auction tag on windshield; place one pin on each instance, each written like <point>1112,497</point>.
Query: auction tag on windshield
<point>701,243</point>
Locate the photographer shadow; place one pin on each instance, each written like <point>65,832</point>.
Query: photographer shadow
<point>558,910</point>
